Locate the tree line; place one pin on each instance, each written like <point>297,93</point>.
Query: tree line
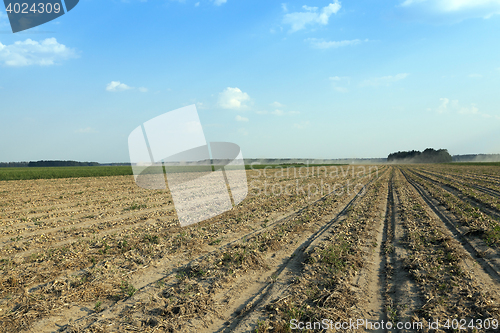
<point>46,164</point>
<point>427,156</point>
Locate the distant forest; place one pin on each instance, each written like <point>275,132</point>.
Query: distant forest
<point>47,164</point>
<point>427,156</point>
<point>477,158</point>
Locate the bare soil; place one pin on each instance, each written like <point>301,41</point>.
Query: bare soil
<point>415,245</point>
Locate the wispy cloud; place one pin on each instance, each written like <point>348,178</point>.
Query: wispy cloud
<point>277,105</point>
<point>384,80</point>
<point>233,98</point>
<point>446,105</point>
<point>278,112</point>
<point>454,107</point>
<point>240,118</point>
<point>475,76</point>
<point>443,106</point>
<point>45,53</point>
<point>466,8</point>
<point>320,43</point>
<point>311,16</point>
<point>219,2</point>
<point>115,86</point>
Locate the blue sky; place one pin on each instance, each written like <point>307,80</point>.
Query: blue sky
<point>313,79</point>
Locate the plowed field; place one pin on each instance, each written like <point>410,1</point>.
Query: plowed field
<point>412,248</point>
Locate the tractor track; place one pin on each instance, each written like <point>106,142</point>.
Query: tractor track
<point>402,297</point>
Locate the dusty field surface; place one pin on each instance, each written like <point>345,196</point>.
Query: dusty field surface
<point>412,248</point>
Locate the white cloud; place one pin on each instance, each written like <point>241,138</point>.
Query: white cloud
<point>472,8</point>
<point>284,7</point>
<point>327,11</point>
<point>114,86</point>
<point>475,76</point>
<point>469,110</point>
<point>197,4</point>
<point>219,2</point>
<point>233,98</point>
<point>311,16</point>
<point>323,44</point>
<point>443,107</point>
<point>277,105</point>
<point>453,5</point>
<point>383,81</point>
<point>45,53</point>
<point>310,9</point>
<point>240,118</point>
<point>278,112</point>
<point>454,107</point>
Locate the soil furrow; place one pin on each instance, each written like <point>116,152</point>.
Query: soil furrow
<point>153,277</point>
<point>492,211</point>
<point>480,188</point>
<point>283,277</point>
<point>492,268</point>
